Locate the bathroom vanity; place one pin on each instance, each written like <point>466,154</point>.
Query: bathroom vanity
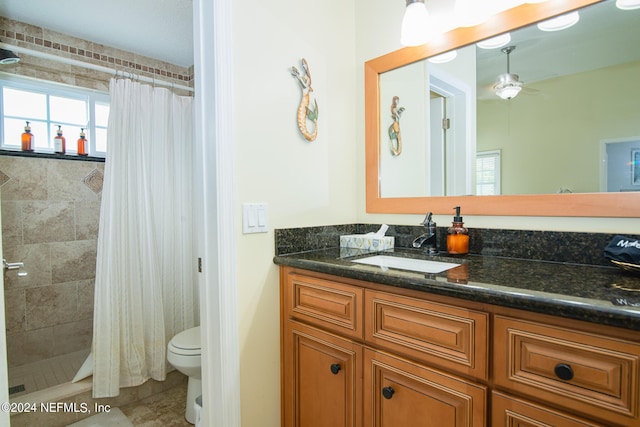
<point>494,341</point>
<point>537,339</point>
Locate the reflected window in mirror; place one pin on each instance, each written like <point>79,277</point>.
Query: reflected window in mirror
<point>488,173</point>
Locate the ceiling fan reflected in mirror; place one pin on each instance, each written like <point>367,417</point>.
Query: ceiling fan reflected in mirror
<point>508,84</point>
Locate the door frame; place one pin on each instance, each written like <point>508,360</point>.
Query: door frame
<point>214,195</point>
<point>461,136</point>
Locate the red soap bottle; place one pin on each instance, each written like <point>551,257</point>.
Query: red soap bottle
<point>457,236</point>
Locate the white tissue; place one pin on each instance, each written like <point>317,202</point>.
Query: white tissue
<point>381,231</point>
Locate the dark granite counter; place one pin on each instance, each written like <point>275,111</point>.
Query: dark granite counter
<point>598,294</point>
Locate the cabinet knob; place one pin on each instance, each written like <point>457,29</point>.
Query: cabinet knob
<point>387,392</point>
<point>564,371</point>
<point>335,368</point>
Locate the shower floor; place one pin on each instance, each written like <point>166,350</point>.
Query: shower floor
<point>45,373</point>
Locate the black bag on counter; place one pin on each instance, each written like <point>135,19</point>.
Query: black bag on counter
<point>623,249</point>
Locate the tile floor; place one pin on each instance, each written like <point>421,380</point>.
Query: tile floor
<point>163,406</point>
<point>46,373</point>
<point>164,409</point>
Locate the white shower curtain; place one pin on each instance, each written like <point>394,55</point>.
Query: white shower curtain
<point>145,289</point>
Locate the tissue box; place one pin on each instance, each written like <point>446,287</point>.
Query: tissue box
<point>366,242</point>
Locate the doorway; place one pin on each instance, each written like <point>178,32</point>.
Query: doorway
<point>620,164</point>
<point>452,138</point>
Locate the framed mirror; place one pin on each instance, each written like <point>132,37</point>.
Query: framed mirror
<point>428,174</point>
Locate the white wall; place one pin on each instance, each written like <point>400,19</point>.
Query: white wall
<point>304,183</point>
<point>409,84</point>
<point>377,33</point>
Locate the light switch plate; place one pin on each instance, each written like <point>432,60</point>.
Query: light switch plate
<point>255,218</point>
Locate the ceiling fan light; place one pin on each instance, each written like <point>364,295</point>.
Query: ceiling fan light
<point>415,29</point>
<point>508,86</point>
<point>628,4</point>
<point>444,57</point>
<point>561,22</point>
<point>508,92</point>
<point>495,42</point>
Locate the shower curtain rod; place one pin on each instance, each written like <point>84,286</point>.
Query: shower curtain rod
<point>69,61</point>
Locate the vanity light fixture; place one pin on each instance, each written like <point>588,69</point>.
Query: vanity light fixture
<point>415,28</point>
<point>561,22</point>
<point>495,42</point>
<point>628,4</point>
<point>444,57</point>
<point>509,84</point>
<point>8,57</point>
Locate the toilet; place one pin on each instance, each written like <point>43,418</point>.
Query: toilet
<point>184,353</point>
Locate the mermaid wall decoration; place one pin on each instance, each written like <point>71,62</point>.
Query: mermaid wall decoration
<point>304,112</point>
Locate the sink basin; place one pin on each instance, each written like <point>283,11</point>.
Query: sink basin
<point>411,264</point>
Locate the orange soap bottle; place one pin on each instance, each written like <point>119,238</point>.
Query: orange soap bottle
<point>457,236</point>
<point>83,149</point>
<point>59,142</point>
<point>28,139</point>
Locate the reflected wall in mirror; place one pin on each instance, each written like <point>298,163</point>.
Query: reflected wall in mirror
<point>438,128</point>
<point>573,128</point>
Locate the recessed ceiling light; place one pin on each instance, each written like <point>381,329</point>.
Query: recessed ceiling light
<point>561,22</point>
<point>495,42</point>
<point>628,4</point>
<point>444,57</point>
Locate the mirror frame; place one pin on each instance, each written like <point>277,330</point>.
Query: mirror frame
<point>574,204</point>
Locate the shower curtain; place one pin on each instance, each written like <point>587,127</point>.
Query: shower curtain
<point>145,289</point>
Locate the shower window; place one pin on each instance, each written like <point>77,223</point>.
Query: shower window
<point>46,106</point>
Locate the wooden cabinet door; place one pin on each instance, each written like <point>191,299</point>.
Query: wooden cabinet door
<point>401,393</point>
<point>322,379</point>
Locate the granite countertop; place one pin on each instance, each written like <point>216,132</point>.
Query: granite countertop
<point>597,294</point>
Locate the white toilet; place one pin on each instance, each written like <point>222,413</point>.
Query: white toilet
<point>184,353</point>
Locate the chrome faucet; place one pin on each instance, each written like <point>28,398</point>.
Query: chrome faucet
<point>428,239</point>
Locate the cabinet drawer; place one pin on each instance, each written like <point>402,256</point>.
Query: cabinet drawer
<point>507,411</point>
<point>438,334</point>
<point>331,305</point>
<point>585,373</point>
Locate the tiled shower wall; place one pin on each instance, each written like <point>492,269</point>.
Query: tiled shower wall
<point>50,216</point>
